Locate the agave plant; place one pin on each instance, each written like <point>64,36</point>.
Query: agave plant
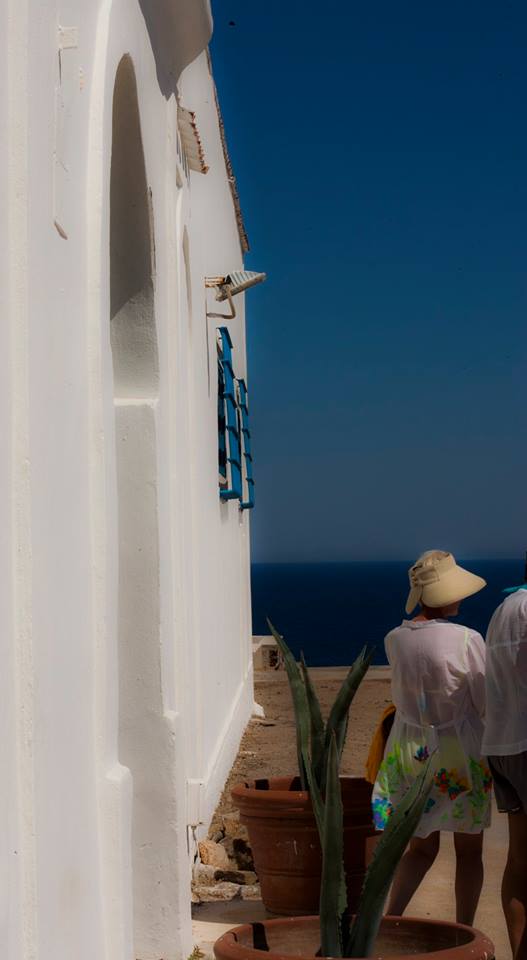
<point>313,736</point>
<point>319,752</point>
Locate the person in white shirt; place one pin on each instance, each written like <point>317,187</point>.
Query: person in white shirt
<point>505,744</point>
<point>438,688</point>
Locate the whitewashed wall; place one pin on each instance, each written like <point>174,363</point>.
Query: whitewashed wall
<point>123,697</point>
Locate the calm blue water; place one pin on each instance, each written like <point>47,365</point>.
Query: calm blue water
<point>331,610</point>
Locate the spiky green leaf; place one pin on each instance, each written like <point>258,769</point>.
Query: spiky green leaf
<point>333,888</point>
<point>338,718</point>
<point>302,717</point>
<point>300,705</point>
<point>400,829</point>
<point>316,723</point>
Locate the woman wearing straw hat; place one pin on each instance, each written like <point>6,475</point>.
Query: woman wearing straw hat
<point>438,688</point>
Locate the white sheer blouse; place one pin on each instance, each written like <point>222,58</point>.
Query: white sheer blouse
<point>438,672</point>
<point>506,719</point>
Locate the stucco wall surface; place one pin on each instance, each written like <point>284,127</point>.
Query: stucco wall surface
<point>125,598</point>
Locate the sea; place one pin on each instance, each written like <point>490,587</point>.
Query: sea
<point>330,610</point>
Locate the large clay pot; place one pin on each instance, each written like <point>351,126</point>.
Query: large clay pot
<point>399,938</point>
<point>286,846</point>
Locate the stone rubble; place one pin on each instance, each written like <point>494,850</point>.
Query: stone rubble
<point>251,892</point>
<point>225,869</point>
<point>220,891</point>
<point>212,854</point>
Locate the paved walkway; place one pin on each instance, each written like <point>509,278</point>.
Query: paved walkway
<point>435,898</point>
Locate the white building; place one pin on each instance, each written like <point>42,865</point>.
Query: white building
<point>125,602</point>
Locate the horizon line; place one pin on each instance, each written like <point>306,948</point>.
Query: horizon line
<point>381,560</point>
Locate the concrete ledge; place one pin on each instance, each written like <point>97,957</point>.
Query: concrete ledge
<point>266,655</point>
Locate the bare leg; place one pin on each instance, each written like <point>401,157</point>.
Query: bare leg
<point>514,886</point>
<point>416,862</point>
<point>469,875</point>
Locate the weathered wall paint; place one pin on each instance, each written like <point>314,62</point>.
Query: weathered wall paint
<point>126,679</point>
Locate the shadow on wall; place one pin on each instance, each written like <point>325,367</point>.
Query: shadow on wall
<point>179,31</point>
<point>133,329</point>
<point>146,739</point>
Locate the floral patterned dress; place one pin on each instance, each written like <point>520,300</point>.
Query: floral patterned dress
<point>438,688</point>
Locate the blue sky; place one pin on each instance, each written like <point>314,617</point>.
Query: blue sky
<point>381,157</point>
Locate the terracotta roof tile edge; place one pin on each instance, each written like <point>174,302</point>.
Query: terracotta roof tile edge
<point>191,140</point>
<point>244,240</point>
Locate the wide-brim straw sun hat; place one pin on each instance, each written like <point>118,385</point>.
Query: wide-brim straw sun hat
<point>436,580</point>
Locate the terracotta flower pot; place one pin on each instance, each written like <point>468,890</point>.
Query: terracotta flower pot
<point>285,843</point>
<point>399,937</point>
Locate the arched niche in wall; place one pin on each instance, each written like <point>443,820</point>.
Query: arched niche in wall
<point>145,741</point>
<point>133,329</point>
